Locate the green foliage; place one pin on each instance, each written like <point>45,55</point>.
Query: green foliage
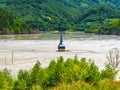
<point>81,85</point>
<point>36,87</point>
<point>32,79</point>
<point>100,20</point>
<point>43,14</point>
<point>11,25</point>
<point>65,74</point>
<point>108,84</point>
<point>111,27</point>
<point>83,15</point>
<point>38,75</point>
<point>19,85</point>
<point>6,81</point>
<point>109,72</point>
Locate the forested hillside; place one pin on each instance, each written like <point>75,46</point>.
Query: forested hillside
<point>100,20</point>
<point>82,15</point>
<point>42,14</point>
<point>11,25</point>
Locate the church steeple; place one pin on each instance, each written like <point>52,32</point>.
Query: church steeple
<point>61,46</point>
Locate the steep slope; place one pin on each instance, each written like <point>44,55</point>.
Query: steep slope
<point>97,20</point>
<point>43,14</point>
<point>59,14</point>
<point>11,25</point>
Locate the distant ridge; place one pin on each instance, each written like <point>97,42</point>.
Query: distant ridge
<point>62,14</point>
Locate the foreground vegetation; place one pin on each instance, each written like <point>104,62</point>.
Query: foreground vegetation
<point>71,74</point>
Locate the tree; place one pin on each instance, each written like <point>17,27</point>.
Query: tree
<point>113,57</point>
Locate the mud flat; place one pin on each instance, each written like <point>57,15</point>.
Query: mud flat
<point>23,54</point>
<point>23,51</point>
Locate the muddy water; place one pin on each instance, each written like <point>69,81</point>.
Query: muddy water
<point>22,51</point>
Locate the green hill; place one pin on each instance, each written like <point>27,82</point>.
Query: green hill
<point>99,20</point>
<point>42,14</point>
<point>63,14</point>
<point>11,25</point>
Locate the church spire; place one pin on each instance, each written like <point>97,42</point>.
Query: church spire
<point>61,46</point>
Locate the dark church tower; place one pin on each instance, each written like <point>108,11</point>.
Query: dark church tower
<point>61,46</point>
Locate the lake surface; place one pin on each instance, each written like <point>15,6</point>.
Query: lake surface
<point>22,51</point>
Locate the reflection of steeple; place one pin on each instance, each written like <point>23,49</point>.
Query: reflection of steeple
<point>61,46</point>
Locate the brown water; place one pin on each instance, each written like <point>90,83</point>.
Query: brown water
<point>22,51</point>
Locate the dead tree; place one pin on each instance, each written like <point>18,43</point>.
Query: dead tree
<point>113,57</point>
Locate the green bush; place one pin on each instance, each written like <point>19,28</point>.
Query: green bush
<point>80,74</point>
<point>6,81</point>
<point>109,72</point>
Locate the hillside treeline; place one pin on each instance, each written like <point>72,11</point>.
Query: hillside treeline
<point>94,16</point>
<point>9,24</point>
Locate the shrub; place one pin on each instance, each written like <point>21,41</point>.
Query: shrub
<point>72,70</point>
<point>6,81</point>
<point>109,72</point>
<point>59,72</point>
